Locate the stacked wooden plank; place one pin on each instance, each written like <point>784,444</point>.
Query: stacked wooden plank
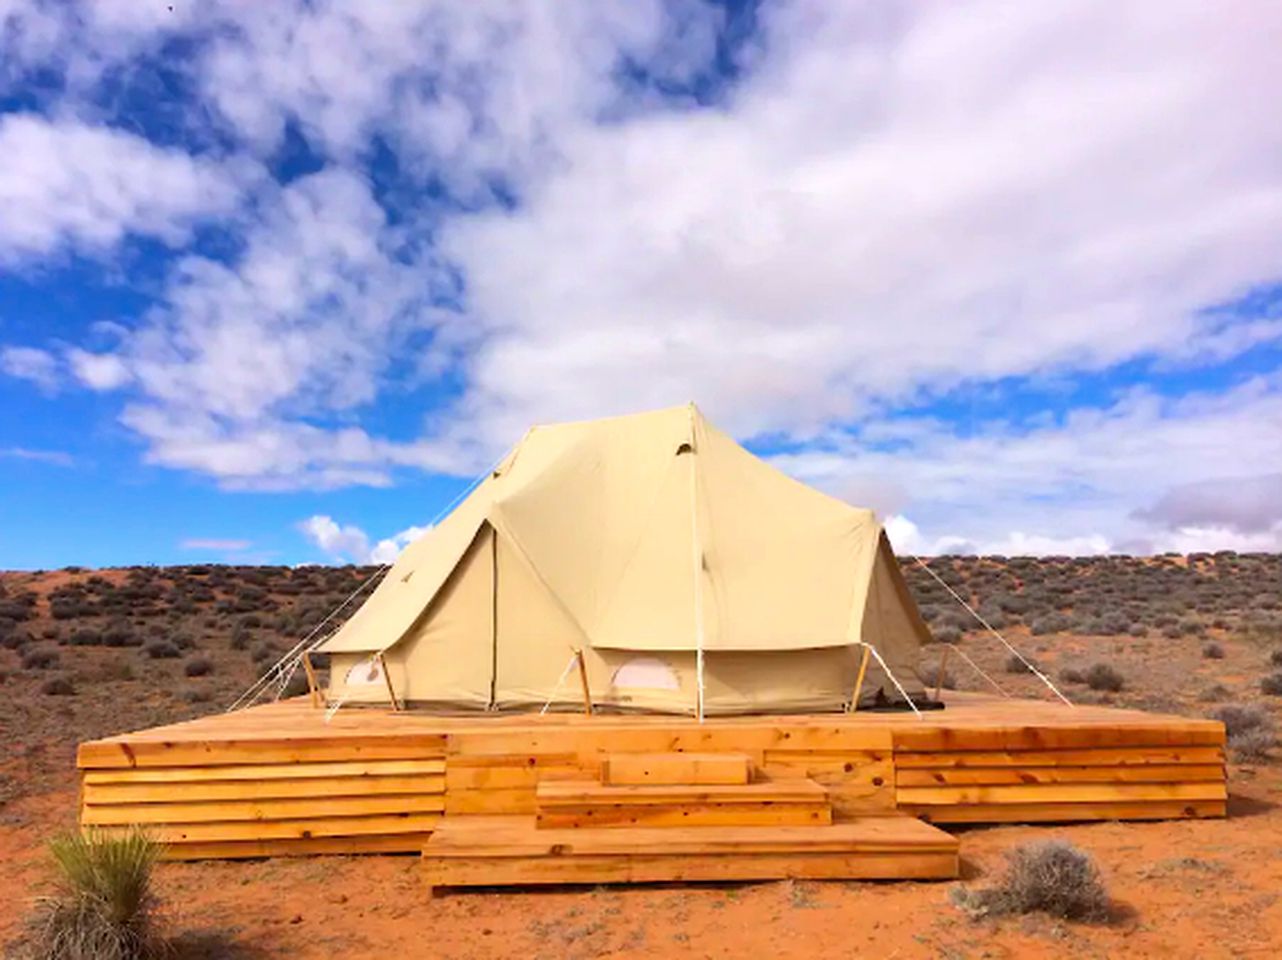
<point>587,803</point>
<point>1091,771</point>
<point>483,851</point>
<point>497,770</point>
<point>268,796</point>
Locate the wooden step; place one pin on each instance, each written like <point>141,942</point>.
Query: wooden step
<point>497,851</point>
<point>585,803</point>
<point>691,769</point>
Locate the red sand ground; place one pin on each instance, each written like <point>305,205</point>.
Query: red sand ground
<point>1183,889</point>
<point>1201,889</point>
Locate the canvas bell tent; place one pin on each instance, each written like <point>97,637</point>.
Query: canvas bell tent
<point>693,576</point>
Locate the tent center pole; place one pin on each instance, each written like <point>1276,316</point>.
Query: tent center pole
<point>698,567</point>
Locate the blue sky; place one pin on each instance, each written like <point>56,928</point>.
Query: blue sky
<point>277,280</point>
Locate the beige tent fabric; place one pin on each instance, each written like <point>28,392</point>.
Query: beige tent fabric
<point>416,577</point>
<point>441,659</point>
<point>588,536</point>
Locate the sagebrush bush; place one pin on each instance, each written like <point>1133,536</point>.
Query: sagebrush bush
<point>1272,684</point>
<point>1275,658</point>
<point>58,687</point>
<point>1249,729</point>
<point>1015,664</point>
<point>1212,651</point>
<point>1072,675</point>
<point>1104,677</point>
<point>1051,877</point>
<point>932,678</point>
<point>947,634</point>
<point>40,659</point>
<point>161,650</point>
<point>198,667</point>
<point>103,907</point>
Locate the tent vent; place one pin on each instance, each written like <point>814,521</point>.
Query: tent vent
<point>686,447</point>
<point>406,578</point>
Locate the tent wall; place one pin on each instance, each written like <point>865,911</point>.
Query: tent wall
<point>893,626</point>
<point>446,655</point>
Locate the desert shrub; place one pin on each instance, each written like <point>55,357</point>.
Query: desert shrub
<point>1050,623</point>
<point>1102,676</point>
<point>1052,877</point>
<point>932,678</point>
<point>16,640</point>
<point>1072,675</point>
<point>946,634</point>
<point>198,695</point>
<point>39,659</point>
<point>103,906</point>
<point>120,633</point>
<point>1212,650</point>
<point>251,621</point>
<point>161,650</point>
<point>1272,684</point>
<point>198,667</point>
<point>116,669</point>
<point>84,637</point>
<point>1275,658</point>
<point>263,653</point>
<point>297,685</point>
<point>1249,729</point>
<point>58,687</point>
<point>1216,691</point>
<point>1016,665</point>
<point>240,638</point>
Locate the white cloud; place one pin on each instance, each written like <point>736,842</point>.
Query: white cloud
<point>64,183</point>
<point>57,458</point>
<point>350,542</point>
<point>890,204</point>
<point>98,371</point>
<point>1144,474</point>
<point>216,544</point>
<point>32,364</point>
<point>388,549</point>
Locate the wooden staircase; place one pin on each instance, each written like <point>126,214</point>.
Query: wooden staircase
<point>682,817</point>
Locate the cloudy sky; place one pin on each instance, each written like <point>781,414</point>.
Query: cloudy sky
<point>277,279</point>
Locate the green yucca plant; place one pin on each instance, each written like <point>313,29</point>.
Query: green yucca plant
<point>103,907</point>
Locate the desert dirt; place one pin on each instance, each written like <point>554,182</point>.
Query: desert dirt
<point>1180,889</point>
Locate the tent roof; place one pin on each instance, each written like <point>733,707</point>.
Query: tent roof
<point>614,516</point>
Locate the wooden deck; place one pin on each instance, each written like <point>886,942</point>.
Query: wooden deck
<point>279,779</point>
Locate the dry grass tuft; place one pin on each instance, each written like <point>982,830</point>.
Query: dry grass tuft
<point>1052,877</point>
<point>103,908</point>
<point>1250,731</point>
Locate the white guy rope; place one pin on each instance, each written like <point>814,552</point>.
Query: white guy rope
<point>989,627</point>
<point>283,669</point>
<point>284,666</point>
<point>893,679</point>
<point>557,689</point>
<point>976,667</point>
<point>332,710</point>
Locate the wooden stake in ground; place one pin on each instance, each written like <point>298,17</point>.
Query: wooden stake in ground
<point>311,679</point>
<point>387,676</point>
<point>859,680</point>
<point>943,669</point>
<point>583,681</point>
